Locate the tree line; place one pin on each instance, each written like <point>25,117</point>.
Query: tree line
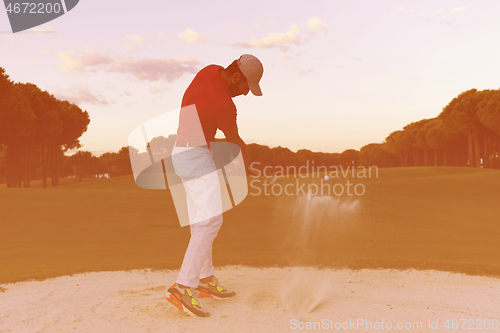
<point>465,133</point>
<point>36,129</point>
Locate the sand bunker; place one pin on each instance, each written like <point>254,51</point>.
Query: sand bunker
<point>269,300</point>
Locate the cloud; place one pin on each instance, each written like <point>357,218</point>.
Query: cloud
<point>81,95</point>
<point>447,20</point>
<point>70,62</point>
<point>306,71</point>
<point>426,17</point>
<point>316,25</point>
<point>400,10</point>
<point>157,89</point>
<point>47,29</point>
<point>276,39</point>
<point>134,40</point>
<point>284,56</point>
<point>356,59</point>
<point>283,40</point>
<point>422,17</point>
<point>256,25</point>
<point>190,36</point>
<point>146,69</point>
<point>156,69</point>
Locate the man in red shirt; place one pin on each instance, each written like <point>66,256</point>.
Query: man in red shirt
<point>207,105</point>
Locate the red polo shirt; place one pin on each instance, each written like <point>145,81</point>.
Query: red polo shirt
<point>214,107</point>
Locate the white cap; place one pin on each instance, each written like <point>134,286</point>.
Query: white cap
<point>252,68</point>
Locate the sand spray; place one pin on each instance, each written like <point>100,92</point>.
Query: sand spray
<point>309,215</point>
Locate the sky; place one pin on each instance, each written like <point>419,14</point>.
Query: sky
<point>337,74</point>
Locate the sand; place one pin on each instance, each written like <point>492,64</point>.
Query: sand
<point>102,255</point>
<point>268,300</point>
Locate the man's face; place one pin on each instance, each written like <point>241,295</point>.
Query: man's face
<point>238,86</point>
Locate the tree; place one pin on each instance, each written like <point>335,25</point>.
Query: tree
<point>349,158</point>
<point>435,139</point>
<point>57,128</point>
<point>394,144</point>
<point>421,141</point>
<point>35,130</point>
<point>374,154</point>
<point>47,127</point>
<point>81,162</point>
<point>461,115</point>
<point>117,164</point>
<point>282,157</point>
<point>409,140</point>
<point>489,116</point>
<point>259,153</point>
<point>3,163</point>
<point>440,138</point>
<point>16,123</point>
<point>74,122</point>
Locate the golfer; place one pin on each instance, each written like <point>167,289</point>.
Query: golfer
<point>207,105</point>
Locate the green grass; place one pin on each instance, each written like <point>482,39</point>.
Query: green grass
<point>423,218</point>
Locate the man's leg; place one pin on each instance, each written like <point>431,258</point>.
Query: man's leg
<point>205,217</point>
<point>207,268</point>
<point>199,252</point>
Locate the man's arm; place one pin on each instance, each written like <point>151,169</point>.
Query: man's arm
<point>233,136</point>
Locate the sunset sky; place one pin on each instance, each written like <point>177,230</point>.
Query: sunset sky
<point>337,74</point>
